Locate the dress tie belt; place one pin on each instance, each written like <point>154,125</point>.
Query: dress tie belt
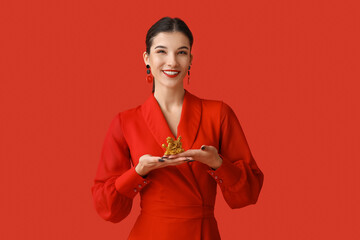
<point>177,211</point>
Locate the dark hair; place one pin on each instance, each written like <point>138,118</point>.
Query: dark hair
<point>167,24</point>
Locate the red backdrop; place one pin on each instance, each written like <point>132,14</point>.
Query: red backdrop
<point>289,69</point>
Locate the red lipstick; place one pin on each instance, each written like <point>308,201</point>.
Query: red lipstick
<point>171,76</point>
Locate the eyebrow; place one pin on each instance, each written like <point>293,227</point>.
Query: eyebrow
<point>160,46</point>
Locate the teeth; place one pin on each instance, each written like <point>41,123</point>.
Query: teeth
<point>171,73</point>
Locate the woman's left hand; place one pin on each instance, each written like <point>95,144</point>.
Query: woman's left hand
<point>206,154</point>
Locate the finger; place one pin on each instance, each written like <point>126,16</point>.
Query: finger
<point>171,163</point>
<point>178,159</point>
<point>168,163</point>
<point>154,159</point>
<point>208,148</point>
<point>189,160</point>
<point>163,159</point>
<point>187,153</point>
<point>173,156</point>
<point>182,159</point>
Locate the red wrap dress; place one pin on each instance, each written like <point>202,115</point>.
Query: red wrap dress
<point>177,202</point>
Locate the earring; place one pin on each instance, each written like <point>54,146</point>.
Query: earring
<point>149,77</point>
<point>189,76</point>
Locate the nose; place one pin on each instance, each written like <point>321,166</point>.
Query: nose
<point>171,60</point>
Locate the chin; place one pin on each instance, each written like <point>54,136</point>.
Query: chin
<point>172,85</point>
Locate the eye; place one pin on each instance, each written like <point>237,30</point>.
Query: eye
<point>160,51</point>
<point>183,52</point>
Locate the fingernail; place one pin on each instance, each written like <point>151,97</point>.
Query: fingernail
<point>161,160</point>
<point>203,148</point>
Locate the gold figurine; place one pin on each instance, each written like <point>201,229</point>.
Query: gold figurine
<point>173,147</point>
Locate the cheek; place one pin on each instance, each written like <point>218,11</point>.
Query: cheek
<point>157,63</point>
<point>184,61</point>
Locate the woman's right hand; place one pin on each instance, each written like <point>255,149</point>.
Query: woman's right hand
<point>148,163</point>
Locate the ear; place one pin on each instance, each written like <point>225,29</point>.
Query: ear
<point>191,58</point>
<point>146,58</point>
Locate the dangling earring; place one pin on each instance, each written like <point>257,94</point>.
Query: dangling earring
<point>189,76</point>
<point>149,77</point>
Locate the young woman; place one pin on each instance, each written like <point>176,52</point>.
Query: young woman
<point>177,191</point>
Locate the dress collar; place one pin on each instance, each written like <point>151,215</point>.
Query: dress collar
<point>188,125</point>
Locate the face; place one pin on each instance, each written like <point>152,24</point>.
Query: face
<point>169,51</point>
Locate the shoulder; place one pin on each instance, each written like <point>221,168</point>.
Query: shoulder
<point>122,116</point>
<point>217,106</point>
<point>129,113</point>
<point>210,103</point>
<point>217,109</point>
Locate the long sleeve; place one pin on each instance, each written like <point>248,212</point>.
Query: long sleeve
<point>116,183</point>
<point>239,177</point>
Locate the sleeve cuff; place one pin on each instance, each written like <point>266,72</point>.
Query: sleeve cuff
<point>130,183</point>
<point>227,174</point>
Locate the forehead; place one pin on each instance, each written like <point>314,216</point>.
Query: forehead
<point>171,40</point>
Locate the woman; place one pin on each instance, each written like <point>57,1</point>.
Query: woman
<point>177,191</point>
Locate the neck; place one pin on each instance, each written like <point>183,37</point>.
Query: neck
<point>168,98</point>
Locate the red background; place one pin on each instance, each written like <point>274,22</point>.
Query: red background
<point>289,69</point>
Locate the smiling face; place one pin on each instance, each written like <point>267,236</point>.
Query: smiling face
<point>169,51</point>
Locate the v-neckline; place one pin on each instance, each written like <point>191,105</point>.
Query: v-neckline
<point>188,125</point>
<point>167,123</point>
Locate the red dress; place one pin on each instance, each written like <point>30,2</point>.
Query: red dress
<point>177,202</point>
